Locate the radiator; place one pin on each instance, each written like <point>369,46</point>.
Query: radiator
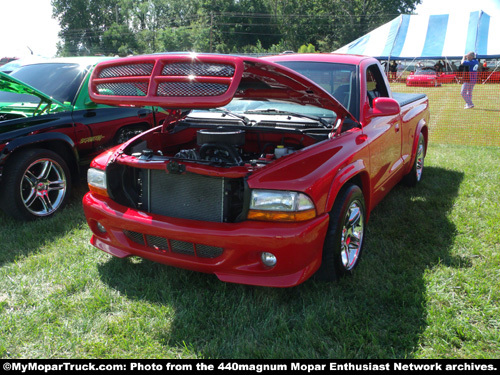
<point>185,196</point>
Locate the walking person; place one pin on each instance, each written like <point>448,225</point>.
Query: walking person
<point>470,78</point>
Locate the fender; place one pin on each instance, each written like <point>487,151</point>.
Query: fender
<point>421,128</point>
<point>345,174</point>
<point>36,139</point>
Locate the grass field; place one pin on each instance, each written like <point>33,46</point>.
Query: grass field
<point>427,287</point>
<point>452,124</point>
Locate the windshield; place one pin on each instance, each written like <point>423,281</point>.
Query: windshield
<point>338,79</point>
<point>243,106</point>
<point>425,73</point>
<point>265,112</point>
<point>59,81</point>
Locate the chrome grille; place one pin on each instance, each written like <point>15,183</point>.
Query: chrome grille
<point>164,245</point>
<point>135,236</point>
<point>159,243</point>
<point>182,247</point>
<point>205,251</point>
<point>191,89</point>
<point>123,89</point>
<point>198,69</point>
<point>127,70</point>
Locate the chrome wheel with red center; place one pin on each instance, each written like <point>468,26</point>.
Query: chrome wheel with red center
<point>352,235</point>
<point>43,187</point>
<point>36,183</point>
<point>344,238</point>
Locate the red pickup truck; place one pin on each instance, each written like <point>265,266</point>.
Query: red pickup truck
<point>266,169</point>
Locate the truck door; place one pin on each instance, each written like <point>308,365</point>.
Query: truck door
<point>384,135</point>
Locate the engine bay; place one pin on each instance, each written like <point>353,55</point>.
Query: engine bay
<point>218,145</point>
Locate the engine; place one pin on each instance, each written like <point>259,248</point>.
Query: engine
<point>226,147</point>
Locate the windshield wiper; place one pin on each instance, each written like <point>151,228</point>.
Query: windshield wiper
<point>275,111</point>
<point>227,112</point>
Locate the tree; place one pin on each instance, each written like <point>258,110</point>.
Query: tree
<point>310,48</point>
<point>119,39</point>
<point>330,24</point>
<point>83,23</point>
<point>237,25</point>
<point>229,26</point>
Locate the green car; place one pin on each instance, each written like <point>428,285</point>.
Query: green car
<point>50,130</point>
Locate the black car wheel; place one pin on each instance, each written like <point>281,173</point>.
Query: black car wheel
<point>36,183</point>
<point>344,239</point>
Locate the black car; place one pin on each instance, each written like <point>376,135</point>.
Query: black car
<point>50,130</point>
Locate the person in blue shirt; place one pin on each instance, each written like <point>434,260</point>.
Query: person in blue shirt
<point>470,78</point>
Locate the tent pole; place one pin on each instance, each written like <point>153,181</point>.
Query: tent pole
<point>406,67</point>
<point>494,70</point>
<point>392,47</point>
<point>448,64</point>
<point>388,68</point>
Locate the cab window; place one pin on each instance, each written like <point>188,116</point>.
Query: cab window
<point>375,85</point>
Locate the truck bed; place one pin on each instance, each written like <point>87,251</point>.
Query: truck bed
<point>405,98</point>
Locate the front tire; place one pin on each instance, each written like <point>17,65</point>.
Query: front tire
<point>36,183</point>
<point>344,239</point>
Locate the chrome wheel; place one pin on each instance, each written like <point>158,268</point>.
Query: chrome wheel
<point>415,175</point>
<point>43,187</point>
<point>419,162</point>
<point>344,239</point>
<point>352,235</point>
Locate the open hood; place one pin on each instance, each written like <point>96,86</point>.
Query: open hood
<point>202,81</point>
<point>11,84</point>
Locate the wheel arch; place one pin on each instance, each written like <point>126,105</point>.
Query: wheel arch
<point>424,129</point>
<point>355,173</point>
<point>136,128</point>
<point>59,143</point>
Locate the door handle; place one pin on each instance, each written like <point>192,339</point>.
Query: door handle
<point>90,113</point>
<point>143,113</point>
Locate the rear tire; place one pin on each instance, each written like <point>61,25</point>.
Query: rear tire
<point>36,183</point>
<point>344,239</point>
<point>415,175</point>
<point>127,133</point>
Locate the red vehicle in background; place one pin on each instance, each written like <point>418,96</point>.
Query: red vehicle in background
<point>490,76</point>
<point>426,78</point>
<point>266,171</point>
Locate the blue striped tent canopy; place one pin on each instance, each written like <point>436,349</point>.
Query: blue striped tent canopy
<point>431,37</point>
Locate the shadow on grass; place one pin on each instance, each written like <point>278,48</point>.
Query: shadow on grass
<point>19,239</point>
<point>486,110</point>
<point>380,312</point>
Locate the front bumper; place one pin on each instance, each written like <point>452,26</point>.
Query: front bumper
<point>421,83</point>
<point>238,246</point>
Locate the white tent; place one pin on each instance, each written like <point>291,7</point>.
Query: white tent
<point>431,37</point>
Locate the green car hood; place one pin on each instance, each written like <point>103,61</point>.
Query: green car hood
<point>11,84</point>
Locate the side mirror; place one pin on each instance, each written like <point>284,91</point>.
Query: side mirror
<point>385,107</point>
<point>89,104</point>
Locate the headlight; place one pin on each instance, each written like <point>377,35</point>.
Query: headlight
<point>276,205</point>
<point>96,179</point>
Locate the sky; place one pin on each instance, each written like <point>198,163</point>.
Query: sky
<point>27,25</point>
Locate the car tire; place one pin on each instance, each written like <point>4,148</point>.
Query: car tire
<point>345,236</point>
<point>36,183</point>
<point>415,175</point>
<point>126,133</point>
